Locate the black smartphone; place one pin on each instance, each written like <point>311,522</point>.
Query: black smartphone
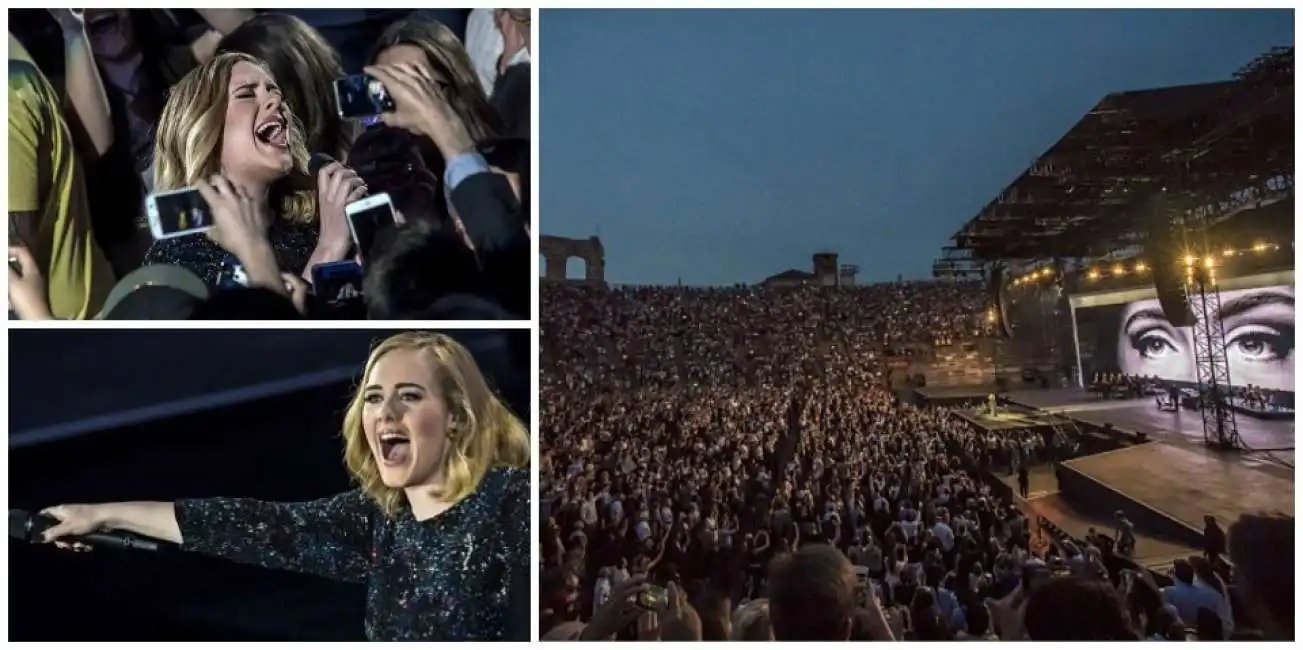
<point>336,282</point>
<point>359,96</point>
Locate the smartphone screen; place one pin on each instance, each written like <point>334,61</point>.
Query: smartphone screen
<point>361,96</point>
<point>336,282</point>
<point>366,222</point>
<point>653,598</point>
<point>177,213</point>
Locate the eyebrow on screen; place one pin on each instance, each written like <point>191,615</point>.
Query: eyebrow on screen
<point>1238,306</point>
<point>1151,313</point>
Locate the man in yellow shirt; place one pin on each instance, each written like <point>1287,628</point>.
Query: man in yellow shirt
<point>48,211</point>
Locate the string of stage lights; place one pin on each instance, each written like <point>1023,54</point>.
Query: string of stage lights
<point>1121,269</point>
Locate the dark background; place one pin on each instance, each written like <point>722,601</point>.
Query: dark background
<point>1097,338</point>
<point>284,447</point>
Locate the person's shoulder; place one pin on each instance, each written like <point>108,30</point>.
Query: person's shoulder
<point>507,483</point>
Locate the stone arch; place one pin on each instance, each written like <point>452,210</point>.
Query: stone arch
<point>557,250</point>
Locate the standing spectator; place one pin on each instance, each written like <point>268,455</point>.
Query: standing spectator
<point>48,211</point>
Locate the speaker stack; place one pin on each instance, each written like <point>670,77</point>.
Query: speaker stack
<point>999,308</point>
<point>1162,248</point>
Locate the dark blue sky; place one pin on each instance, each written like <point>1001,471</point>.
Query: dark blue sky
<point>725,146</point>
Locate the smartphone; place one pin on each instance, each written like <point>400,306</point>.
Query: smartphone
<point>177,213</point>
<point>232,274</point>
<point>653,598</point>
<point>366,218</point>
<point>336,282</point>
<point>361,96</point>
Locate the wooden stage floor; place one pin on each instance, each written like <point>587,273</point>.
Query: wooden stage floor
<point>1186,483</point>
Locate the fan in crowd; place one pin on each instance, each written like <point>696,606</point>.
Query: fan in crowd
<point>293,201</point>
<point>732,464</point>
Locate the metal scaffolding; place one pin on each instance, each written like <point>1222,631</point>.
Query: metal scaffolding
<point>1211,367</point>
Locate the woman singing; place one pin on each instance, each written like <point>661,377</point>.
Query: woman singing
<point>439,530</point>
<point>227,118</point>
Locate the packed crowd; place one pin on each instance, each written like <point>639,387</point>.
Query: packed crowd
<point>244,107</point>
<point>733,464</point>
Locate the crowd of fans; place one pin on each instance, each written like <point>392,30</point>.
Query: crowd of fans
<point>241,105</point>
<point>735,464</point>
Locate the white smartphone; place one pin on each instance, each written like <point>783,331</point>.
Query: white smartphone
<point>177,213</point>
<point>366,218</point>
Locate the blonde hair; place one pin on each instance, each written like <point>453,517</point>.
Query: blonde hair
<point>188,144</point>
<point>484,433</point>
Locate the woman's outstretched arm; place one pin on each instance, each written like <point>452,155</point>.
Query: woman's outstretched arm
<point>329,537</point>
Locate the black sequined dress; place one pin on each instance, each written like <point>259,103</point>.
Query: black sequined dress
<point>461,576</point>
<point>291,243</point>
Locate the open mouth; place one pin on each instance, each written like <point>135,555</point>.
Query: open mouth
<point>272,131</point>
<point>395,448</point>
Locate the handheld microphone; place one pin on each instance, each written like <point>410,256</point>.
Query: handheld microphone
<point>29,527</point>
<point>316,161</point>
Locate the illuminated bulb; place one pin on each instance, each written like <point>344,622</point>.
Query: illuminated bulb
<point>1119,270</point>
<point>1228,253</point>
<point>1258,248</point>
<point>1209,263</point>
<point>1140,267</point>
<point>1093,275</point>
<point>1189,260</point>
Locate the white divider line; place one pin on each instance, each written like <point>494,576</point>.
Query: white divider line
<point>182,406</point>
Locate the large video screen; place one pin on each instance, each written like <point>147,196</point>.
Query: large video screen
<point>1134,338</point>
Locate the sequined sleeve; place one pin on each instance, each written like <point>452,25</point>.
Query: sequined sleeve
<point>329,537</point>
<point>198,254</point>
<point>516,538</point>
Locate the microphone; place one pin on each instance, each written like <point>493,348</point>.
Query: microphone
<point>29,527</point>
<point>316,161</point>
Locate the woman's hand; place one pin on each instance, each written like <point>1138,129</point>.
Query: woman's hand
<point>298,290</point>
<point>421,106</point>
<point>337,186</point>
<point>70,20</point>
<point>240,223</point>
<point>27,289</point>
<point>74,520</point>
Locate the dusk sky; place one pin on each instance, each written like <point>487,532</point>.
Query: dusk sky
<point>716,147</point>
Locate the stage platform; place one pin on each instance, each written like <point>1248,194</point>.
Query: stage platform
<point>1181,427</point>
<point>1006,418</point>
<point>1167,489</point>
